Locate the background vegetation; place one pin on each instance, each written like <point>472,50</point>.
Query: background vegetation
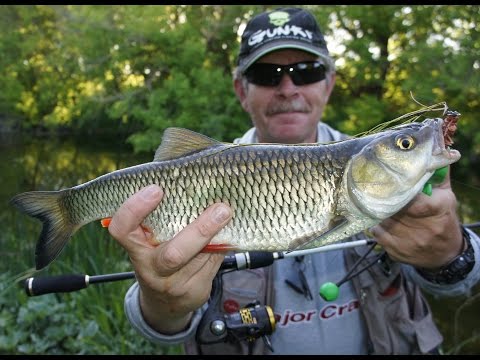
<point>135,70</point>
<point>128,72</point>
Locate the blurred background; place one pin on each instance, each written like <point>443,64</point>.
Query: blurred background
<point>88,89</point>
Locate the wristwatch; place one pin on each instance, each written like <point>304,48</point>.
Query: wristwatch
<point>455,270</point>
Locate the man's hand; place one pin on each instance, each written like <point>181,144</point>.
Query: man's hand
<point>174,277</point>
<point>426,233</point>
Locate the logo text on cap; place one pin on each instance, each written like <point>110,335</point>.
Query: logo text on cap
<point>286,31</point>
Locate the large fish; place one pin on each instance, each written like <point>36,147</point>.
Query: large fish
<point>284,197</point>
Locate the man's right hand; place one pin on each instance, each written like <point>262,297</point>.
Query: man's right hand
<point>174,277</point>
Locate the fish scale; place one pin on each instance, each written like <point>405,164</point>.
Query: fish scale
<point>264,207</point>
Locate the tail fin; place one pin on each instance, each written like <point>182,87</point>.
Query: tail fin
<point>57,229</point>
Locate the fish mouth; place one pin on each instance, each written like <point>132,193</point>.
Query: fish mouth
<point>439,142</point>
<point>441,152</point>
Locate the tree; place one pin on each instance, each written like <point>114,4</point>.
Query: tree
<point>134,70</point>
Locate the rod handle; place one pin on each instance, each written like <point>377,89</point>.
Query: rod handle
<point>54,284</point>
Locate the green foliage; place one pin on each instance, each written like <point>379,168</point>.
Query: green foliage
<point>80,323</point>
<point>135,70</point>
<point>90,321</point>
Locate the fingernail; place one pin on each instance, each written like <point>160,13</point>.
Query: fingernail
<point>220,214</point>
<point>150,192</point>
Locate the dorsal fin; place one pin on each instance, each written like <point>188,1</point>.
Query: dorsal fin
<point>178,142</point>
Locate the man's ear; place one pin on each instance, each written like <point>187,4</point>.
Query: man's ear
<point>241,93</point>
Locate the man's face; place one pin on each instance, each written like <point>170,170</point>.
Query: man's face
<point>286,113</point>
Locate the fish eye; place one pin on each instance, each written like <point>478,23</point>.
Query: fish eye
<point>405,142</point>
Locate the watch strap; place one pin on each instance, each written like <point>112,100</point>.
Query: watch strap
<point>457,269</point>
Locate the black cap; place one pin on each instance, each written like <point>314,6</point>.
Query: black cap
<point>282,28</point>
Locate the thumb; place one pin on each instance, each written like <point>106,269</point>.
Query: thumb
<point>125,225</point>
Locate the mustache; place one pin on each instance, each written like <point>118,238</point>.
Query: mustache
<point>287,106</point>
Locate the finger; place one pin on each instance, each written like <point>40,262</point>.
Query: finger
<point>193,238</point>
<point>196,274</point>
<point>380,235</point>
<point>423,205</point>
<point>385,239</point>
<point>206,274</point>
<point>208,262</point>
<point>131,214</point>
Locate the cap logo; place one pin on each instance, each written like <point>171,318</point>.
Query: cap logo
<point>279,18</point>
<point>280,32</point>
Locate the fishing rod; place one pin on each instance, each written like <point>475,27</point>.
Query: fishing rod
<point>245,260</point>
<point>35,286</point>
<point>249,323</point>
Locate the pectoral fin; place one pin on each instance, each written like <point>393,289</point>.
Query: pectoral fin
<point>303,242</point>
<point>106,222</point>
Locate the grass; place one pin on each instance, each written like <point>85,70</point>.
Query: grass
<point>89,321</point>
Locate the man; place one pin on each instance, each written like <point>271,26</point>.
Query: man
<point>379,311</point>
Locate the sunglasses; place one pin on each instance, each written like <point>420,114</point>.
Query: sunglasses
<point>302,73</point>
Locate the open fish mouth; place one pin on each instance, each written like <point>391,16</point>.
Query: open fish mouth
<point>439,142</point>
<point>440,149</point>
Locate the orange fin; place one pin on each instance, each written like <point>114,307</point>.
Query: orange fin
<point>106,222</point>
<point>146,228</point>
<point>213,248</point>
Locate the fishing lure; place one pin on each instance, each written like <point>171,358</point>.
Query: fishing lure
<point>449,127</point>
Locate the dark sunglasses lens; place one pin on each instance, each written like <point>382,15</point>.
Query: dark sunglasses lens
<point>271,74</point>
<point>264,74</point>
<point>307,73</point>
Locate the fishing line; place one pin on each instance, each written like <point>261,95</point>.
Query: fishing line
<point>350,275</point>
<point>410,117</point>
<point>329,291</point>
<point>473,187</point>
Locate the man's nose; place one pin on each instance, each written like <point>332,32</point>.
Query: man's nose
<point>286,87</point>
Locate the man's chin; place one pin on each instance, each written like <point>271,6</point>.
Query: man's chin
<point>287,134</point>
